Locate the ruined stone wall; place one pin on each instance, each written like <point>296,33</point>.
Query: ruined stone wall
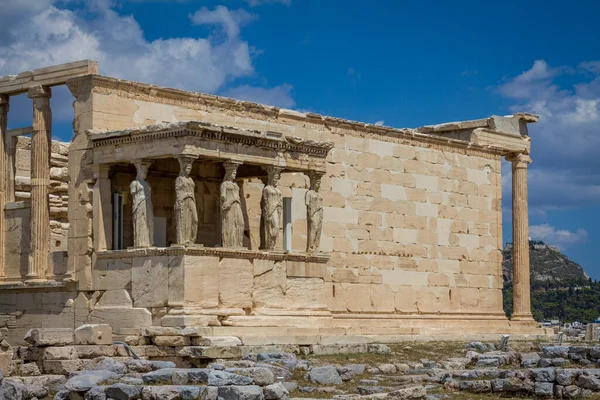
<point>18,212</point>
<point>414,226</point>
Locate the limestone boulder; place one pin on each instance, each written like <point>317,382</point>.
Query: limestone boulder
<point>85,380</point>
<point>49,336</point>
<point>93,334</point>
<point>276,391</point>
<point>241,393</point>
<point>327,375</point>
<point>121,391</point>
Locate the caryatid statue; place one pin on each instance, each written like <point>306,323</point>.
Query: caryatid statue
<point>143,215</point>
<point>314,214</point>
<point>232,218</point>
<point>271,206</point>
<point>186,214</point>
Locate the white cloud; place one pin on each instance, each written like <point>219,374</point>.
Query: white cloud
<point>254,3</point>
<point>39,36</point>
<point>231,21</point>
<point>565,172</point>
<point>379,123</point>
<point>560,238</point>
<point>279,96</point>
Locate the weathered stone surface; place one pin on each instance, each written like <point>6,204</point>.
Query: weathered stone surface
<point>51,382</point>
<point>194,376</point>
<point>543,389</point>
<point>261,376</point>
<point>62,367</point>
<point>171,341</point>
<point>544,374</point>
<point>223,378</point>
<point>93,334</point>
<point>275,391</point>
<point>588,382</point>
<point>140,365</point>
<point>49,336</point>
<point>530,360</point>
<point>241,393</point>
<point>95,393</point>
<point>415,392</point>
<point>566,377</point>
<point>158,377</point>
<point>85,380</point>
<point>179,393</point>
<point>555,351</point>
<point>349,371</point>
<point>327,375</point>
<point>106,363</point>
<point>478,386</point>
<point>219,341</point>
<point>121,391</point>
<point>60,353</point>
<point>211,352</point>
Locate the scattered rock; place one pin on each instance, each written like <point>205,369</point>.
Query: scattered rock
<point>347,372</point>
<point>276,391</point>
<point>387,368</point>
<point>327,375</point>
<point>85,380</point>
<point>223,378</point>
<point>241,393</point>
<point>122,391</point>
<point>415,392</point>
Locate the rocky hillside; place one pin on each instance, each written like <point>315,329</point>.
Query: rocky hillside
<point>549,267</point>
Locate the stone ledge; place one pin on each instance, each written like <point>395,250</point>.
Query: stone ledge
<point>33,284</point>
<point>215,252</point>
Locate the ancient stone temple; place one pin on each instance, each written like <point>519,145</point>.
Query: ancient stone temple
<point>176,209</point>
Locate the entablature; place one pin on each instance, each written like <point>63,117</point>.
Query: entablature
<point>209,141</point>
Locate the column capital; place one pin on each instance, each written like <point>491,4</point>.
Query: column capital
<point>185,159</point>
<point>39,92</point>
<point>519,160</point>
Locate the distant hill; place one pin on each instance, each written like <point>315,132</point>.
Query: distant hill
<point>549,267</point>
<point>560,287</point>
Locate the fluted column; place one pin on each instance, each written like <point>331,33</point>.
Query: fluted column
<point>4,104</point>
<point>520,226</point>
<point>40,180</point>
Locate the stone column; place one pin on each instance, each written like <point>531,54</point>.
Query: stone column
<point>4,104</point>
<point>520,226</point>
<point>102,212</point>
<point>40,180</point>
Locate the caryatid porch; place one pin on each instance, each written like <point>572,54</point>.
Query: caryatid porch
<point>185,155</point>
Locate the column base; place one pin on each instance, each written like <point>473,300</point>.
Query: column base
<point>527,317</point>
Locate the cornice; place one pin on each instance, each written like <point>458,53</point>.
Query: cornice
<point>205,131</point>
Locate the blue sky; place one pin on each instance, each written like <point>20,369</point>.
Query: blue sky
<point>400,63</point>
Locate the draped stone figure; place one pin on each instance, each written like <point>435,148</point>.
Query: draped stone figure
<point>186,214</point>
<point>143,215</point>
<point>232,219</point>
<point>314,214</point>
<point>271,206</point>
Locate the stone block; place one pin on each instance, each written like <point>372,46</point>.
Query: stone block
<point>62,367</point>
<point>235,282</point>
<point>49,336</point>
<point>218,341</point>
<point>171,341</point>
<point>93,334</point>
<point>205,352</point>
<point>60,353</point>
<point>150,281</point>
